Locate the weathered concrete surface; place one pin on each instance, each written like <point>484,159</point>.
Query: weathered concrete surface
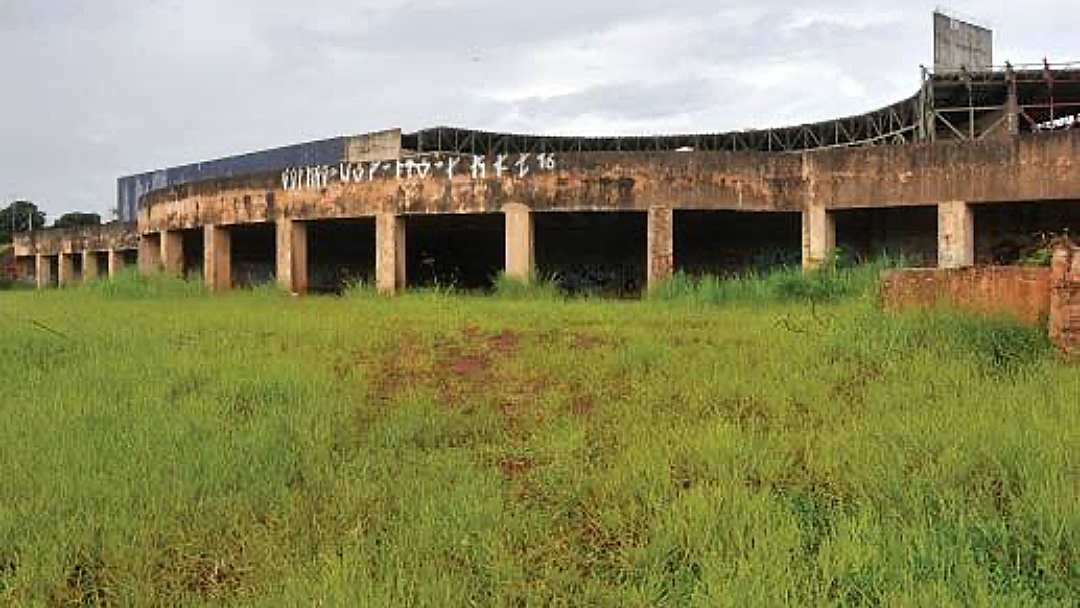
<point>116,263</point>
<point>150,253</point>
<point>1030,167</point>
<point>43,271</point>
<point>67,274</point>
<point>585,182</point>
<point>520,242</point>
<point>818,236</point>
<point>217,258</point>
<point>1064,322</point>
<point>956,235</point>
<point>1021,292</point>
<point>660,247</point>
<point>91,270</point>
<point>172,252</point>
<point>1025,168</point>
<point>380,145</point>
<point>389,253</point>
<point>52,241</point>
<point>292,255</point>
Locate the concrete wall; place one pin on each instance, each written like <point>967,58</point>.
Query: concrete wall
<point>1026,168</point>
<point>53,241</point>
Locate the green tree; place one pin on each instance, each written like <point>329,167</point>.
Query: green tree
<point>72,220</point>
<point>19,216</point>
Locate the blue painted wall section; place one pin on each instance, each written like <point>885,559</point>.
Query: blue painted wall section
<point>130,189</point>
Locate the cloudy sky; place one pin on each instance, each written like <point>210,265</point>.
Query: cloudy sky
<point>94,89</point>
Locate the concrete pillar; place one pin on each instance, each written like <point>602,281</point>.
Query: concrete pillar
<point>66,269</point>
<point>389,253</point>
<point>116,263</point>
<point>818,236</point>
<point>292,255</point>
<point>660,246</point>
<point>520,246</point>
<point>43,271</point>
<point>172,252</point>
<point>956,235</point>
<point>217,258</point>
<point>90,268</point>
<point>24,269</point>
<point>149,253</point>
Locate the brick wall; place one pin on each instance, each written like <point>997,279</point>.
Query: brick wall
<point>1032,294</point>
<point>1065,299</point>
<point>1023,292</point>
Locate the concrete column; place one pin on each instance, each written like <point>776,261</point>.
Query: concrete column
<point>67,269</point>
<point>818,236</point>
<point>217,258</point>
<point>90,269</point>
<point>25,268</point>
<point>389,253</point>
<point>520,247</point>
<point>660,246</point>
<point>149,253</point>
<point>172,252</point>
<point>956,235</point>
<point>292,255</point>
<point>43,271</point>
<point>116,263</point>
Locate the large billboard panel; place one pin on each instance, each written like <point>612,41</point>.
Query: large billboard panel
<point>961,45</point>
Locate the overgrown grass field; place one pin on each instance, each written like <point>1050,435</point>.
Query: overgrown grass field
<point>768,442</point>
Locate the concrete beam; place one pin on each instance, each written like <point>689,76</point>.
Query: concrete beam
<point>520,242</point>
<point>67,269</point>
<point>43,271</point>
<point>956,235</point>
<point>389,253</point>
<point>116,263</point>
<point>217,258</point>
<point>172,252</point>
<point>91,270</point>
<point>660,246</point>
<point>818,236</point>
<point>292,255</point>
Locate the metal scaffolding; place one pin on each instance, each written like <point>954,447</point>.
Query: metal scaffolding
<point>957,105</point>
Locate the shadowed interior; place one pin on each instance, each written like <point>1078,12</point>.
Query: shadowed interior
<point>593,252</point>
<point>463,251</point>
<point>253,254</point>
<point>725,243</point>
<point>908,232</point>
<point>340,253</point>
<point>1005,233</point>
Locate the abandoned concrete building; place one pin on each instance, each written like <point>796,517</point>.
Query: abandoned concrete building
<point>969,170</point>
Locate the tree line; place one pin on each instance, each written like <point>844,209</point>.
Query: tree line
<point>23,216</point>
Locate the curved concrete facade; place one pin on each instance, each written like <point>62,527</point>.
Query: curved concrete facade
<point>929,166</point>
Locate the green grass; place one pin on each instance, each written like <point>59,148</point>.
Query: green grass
<point>161,446</point>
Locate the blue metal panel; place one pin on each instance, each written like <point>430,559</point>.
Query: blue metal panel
<point>130,189</point>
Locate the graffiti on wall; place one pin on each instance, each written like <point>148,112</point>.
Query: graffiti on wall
<point>517,166</point>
